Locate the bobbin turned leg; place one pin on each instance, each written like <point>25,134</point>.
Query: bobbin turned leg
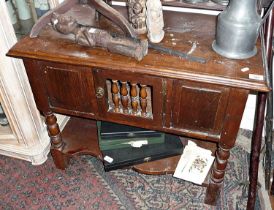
<point>222,155</point>
<point>217,174</point>
<point>234,112</point>
<point>57,145</point>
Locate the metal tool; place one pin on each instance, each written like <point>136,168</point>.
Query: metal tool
<point>176,53</point>
<point>195,1</point>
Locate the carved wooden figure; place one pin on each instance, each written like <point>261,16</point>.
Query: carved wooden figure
<point>155,21</point>
<point>179,93</point>
<point>137,15</point>
<point>96,37</point>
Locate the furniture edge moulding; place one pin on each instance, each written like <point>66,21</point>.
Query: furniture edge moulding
<point>28,139</point>
<point>149,70</point>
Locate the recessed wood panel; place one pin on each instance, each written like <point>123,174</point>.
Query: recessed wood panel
<point>69,87</point>
<point>199,106</point>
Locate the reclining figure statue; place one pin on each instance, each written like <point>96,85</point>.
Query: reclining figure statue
<point>95,37</point>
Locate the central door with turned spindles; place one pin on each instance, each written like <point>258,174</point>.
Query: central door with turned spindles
<point>129,98</point>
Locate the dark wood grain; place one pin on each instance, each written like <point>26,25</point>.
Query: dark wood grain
<point>101,75</point>
<point>203,101</point>
<point>81,137</point>
<point>35,78</point>
<point>192,101</point>
<point>158,167</point>
<point>167,88</point>
<point>199,28</point>
<point>57,143</point>
<point>231,124</point>
<point>78,137</point>
<point>69,87</point>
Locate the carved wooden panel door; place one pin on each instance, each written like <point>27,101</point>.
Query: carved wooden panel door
<point>199,107</point>
<point>69,88</point>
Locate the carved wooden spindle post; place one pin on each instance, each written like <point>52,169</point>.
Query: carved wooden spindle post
<point>57,144</point>
<point>124,94</point>
<point>143,99</point>
<point>115,95</point>
<point>134,98</point>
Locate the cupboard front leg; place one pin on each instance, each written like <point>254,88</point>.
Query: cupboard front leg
<point>217,174</point>
<point>218,171</point>
<point>57,144</point>
<point>235,108</point>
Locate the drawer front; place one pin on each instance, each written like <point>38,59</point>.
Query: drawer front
<point>70,89</point>
<point>129,98</point>
<point>199,107</point>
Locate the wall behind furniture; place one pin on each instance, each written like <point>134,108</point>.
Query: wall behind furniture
<point>27,136</point>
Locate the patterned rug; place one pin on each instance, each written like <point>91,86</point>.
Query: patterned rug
<point>85,185</point>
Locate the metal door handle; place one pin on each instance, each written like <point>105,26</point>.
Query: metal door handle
<point>100,92</point>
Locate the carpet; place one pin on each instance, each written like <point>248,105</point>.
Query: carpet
<point>85,185</point>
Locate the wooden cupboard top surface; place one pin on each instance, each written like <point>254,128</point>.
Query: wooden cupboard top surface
<point>182,30</point>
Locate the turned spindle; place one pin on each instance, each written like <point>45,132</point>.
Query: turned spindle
<point>115,95</point>
<point>218,170</point>
<point>124,95</point>
<point>57,144</point>
<point>53,130</point>
<point>134,98</point>
<point>143,99</point>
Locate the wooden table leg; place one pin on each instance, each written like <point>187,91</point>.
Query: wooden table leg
<point>57,145</point>
<point>235,108</point>
<point>255,150</point>
<point>217,174</point>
